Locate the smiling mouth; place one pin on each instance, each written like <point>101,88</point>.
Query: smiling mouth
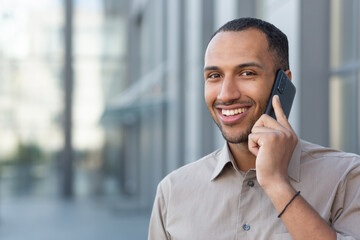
<point>232,112</point>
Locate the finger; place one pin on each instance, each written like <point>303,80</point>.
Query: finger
<point>279,112</point>
<point>253,144</point>
<point>268,122</point>
<point>258,129</point>
<point>258,140</point>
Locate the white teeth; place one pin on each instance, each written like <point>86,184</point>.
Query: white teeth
<point>233,111</point>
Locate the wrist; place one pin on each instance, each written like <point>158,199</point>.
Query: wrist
<point>279,192</point>
<point>273,182</point>
<point>277,186</point>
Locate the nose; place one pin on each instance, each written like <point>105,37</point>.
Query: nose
<point>229,90</point>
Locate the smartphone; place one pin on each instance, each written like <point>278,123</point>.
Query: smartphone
<point>285,89</point>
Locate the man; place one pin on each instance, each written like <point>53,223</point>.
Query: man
<point>264,183</point>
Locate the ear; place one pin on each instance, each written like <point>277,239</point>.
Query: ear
<point>288,73</point>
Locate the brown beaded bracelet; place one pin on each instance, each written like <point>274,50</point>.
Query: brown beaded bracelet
<point>297,194</point>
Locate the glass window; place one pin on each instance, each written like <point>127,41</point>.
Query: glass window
<point>343,32</point>
<point>343,112</point>
<point>344,82</point>
<point>99,55</point>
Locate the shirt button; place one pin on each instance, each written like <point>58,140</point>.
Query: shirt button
<point>251,183</point>
<point>246,227</point>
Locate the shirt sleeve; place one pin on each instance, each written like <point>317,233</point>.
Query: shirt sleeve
<point>157,226</point>
<point>346,209</point>
<point>341,237</point>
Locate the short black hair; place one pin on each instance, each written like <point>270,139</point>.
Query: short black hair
<point>277,40</point>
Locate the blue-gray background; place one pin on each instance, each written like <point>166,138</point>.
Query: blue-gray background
<point>91,123</point>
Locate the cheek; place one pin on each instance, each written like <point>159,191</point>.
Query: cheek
<point>251,90</point>
<point>210,93</point>
<point>262,97</point>
<point>260,91</point>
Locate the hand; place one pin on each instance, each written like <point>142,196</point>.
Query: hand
<point>272,142</point>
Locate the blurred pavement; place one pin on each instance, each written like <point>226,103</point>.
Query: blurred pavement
<point>42,219</point>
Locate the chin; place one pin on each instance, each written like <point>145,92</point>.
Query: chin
<point>233,136</point>
<point>242,138</point>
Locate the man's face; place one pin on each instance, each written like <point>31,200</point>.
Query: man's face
<point>239,74</point>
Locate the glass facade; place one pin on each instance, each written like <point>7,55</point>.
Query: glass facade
<point>33,93</point>
<point>98,55</point>
<point>344,80</point>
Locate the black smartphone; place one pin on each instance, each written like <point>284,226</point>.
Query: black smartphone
<point>285,89</point>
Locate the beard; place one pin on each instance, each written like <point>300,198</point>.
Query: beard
<point>243,136</point>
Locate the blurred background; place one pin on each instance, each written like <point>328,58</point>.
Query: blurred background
<point>100,99</point>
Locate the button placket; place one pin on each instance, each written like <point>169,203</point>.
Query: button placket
<point>248,184</point>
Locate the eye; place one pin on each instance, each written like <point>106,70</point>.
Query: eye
<point>247,73</point>
<point>214,75</point>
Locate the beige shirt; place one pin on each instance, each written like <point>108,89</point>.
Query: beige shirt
<point>212,199</point>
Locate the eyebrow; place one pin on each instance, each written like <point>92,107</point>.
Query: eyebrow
<point>243,65</point>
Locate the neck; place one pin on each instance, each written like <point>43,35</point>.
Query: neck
<point>244,159</point>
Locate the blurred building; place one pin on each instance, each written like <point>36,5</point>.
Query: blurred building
<point>159,121</point>
<point>30,94</point>
<point>33,71</point>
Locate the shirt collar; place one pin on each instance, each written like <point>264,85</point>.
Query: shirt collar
<point>224,156</point>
